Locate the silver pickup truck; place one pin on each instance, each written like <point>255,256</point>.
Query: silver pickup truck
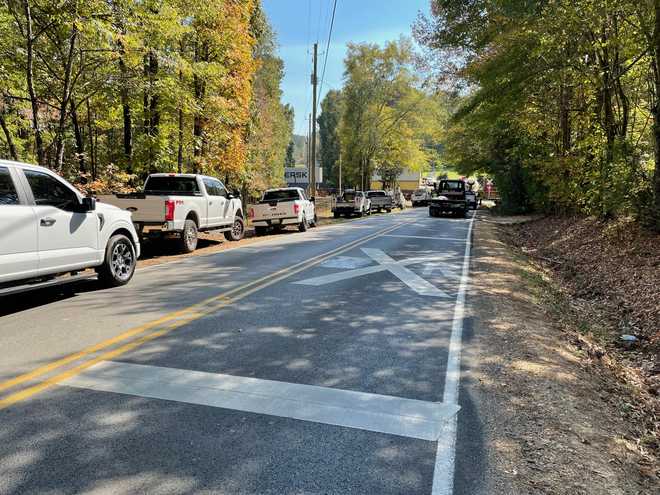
<point>381,200</point>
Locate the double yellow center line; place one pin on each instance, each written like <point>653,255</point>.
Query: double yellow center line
<point>161,326</point>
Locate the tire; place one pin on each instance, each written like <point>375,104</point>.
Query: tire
<point>361,213</point>
<point>188,237</point>
<point>302,226</point>
<point>237,230</point>
<point>119,264</point>
<point>315,222</point>
<point>259,231</point>
<point>336,214</point>
<point>388,210</point>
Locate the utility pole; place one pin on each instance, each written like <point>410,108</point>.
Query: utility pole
<point>309,142</point>
<point>340,171</point>
<point>312,188</point>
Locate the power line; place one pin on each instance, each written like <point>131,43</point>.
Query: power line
<point>327,47</point>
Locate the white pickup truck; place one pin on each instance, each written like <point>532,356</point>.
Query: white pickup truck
<point>50,233</point>
<point>181,205</point>
<point>281,207</point>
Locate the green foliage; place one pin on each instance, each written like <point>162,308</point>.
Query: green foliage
<point>125,88</point>
<point>388,121</point>
<point>559,99</point>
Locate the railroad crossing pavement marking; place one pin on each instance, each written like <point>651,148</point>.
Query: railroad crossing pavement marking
<point>385,263</point>
<point>372,412</point>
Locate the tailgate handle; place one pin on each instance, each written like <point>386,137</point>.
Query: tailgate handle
<point>47,222</point>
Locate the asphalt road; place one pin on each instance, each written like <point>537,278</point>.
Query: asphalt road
<point>315,363</point>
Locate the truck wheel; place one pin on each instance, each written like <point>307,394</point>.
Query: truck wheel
<point>188,238</point>
<point>119,264</point>
<point>388,210</point>
<point>316,220</point>
<point>237,230</point>
<point>259,231</point>
<point>335,214</point>
<point>302,226</point>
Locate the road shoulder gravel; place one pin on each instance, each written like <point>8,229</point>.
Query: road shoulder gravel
<point>548,427</point>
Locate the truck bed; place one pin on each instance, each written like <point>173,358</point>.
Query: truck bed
<point>145,208</point>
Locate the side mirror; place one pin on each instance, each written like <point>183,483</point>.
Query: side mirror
<point>88,204</point>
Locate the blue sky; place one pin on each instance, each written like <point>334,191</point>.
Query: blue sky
<point>299,23</point>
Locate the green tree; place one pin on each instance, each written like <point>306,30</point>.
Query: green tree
<point>329,120</point>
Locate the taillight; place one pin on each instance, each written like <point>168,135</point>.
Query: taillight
<point>296,208</point>
<point>169,210</point>
<point>251,213</point>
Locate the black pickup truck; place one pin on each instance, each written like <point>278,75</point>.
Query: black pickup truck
<point>449,197</point>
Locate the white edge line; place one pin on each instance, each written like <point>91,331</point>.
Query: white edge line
<point>443,472</point>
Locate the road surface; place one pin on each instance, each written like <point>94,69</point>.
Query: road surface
<point>319,362</point>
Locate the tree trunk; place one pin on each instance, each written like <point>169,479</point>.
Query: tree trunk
<point>41,156</point>
<point>66,95</point>
<point>80,143</point>
<point>90,133</point>
<point>565,118</point>
<point>179,155</point>
<point>126,110</point>
<point>10,141</point>
<point>656,118</point>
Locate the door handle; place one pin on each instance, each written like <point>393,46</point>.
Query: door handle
<point>47,222</point>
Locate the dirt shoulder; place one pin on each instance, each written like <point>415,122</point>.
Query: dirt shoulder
<point>556,420</point>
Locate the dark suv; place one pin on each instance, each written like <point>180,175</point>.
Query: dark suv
<point>449,197</point>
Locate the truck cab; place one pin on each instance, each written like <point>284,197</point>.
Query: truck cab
<point>51,232</point>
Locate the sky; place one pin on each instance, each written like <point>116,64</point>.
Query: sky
<point>300,23</point>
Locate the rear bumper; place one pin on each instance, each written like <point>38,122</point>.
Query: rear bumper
<point>346,209</point>
<point>448,206</point>
<point>269,222</point>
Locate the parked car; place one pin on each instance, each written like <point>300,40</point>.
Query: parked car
<point>352,203</point>
<point>281,207</point>
<point>450,198</point>
<point>380,200</point>
<point>420,197</point>
<point>181,206</point>
<point>399,200</point>
<point>51,233</point>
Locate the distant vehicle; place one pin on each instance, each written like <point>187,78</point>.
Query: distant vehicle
<point>380,201</point>
<point>399,200</point>
<point>51,233</point>
<point>181,206</point>
<point>352,203</point>
<point>281,207</point>
<point>420,197</point>
<point>471,194</point>
<point>450,198</point>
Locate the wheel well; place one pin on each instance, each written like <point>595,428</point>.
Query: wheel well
<point>125,232</point>
<point>239,213</point>
<point>193,216</point>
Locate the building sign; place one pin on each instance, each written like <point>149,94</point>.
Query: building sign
<point>300,175</point>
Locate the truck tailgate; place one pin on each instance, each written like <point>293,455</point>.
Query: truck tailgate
<point>265,211</point>
<point>146,209</point>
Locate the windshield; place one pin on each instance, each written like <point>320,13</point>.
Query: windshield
<point>374,194</point>
<point>452,186</point>
<point>281,195</point>
<point>350,196</point>
<point>167,184</point>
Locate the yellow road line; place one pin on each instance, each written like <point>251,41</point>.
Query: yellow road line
<point>180,318</point>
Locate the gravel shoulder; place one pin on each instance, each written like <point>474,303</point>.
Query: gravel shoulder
<point>554,420</point>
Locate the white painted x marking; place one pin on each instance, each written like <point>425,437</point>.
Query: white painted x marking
<point>385,263</point>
